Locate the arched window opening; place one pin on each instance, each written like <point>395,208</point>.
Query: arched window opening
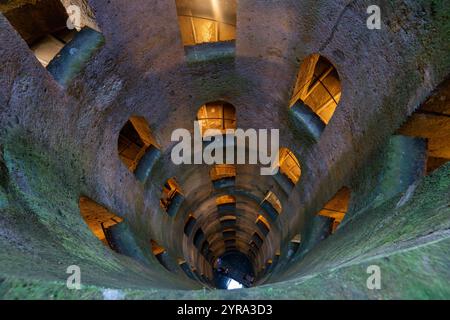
<point>186,268</point>
<point>293,245</point>
<point>256,238</point>
<point>254,246</point>
<point>268,265</point>
<point>432,122</point>
<point>135,140</point>
<point>337,207</point>
<point>189,225</point>
<point>203,21</point>
<point>222,171</point>
<point>225,199</point>
<point>229,233</point>
<point>98,218</point>
<point>204,250</point>
<point>172,197</point>
<point>199,237</point>
<point>42,25</point>
<point>263,225</point>
<point>226,204</point>
<point>46,28</point>
<point>223,175</point>
<point>228,221</point>
<point>272,205</point>
<point>156,248</point>
<point>289,165</point>
<point>161,255</point>
<point>217,115</point>
<point>276,258</point>
<point>318,86</point>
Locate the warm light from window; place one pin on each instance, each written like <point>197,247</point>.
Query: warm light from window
<point>337,207</point>
<point>274,201</point>
<point>170,190</point>
<point>97,217</point>
<point>225,199</point>
<point>263,220</point>
<point>156,249</point>
<point>134,140</point>
<point>227,218</point>
<point>289,165</point>
<point>203,21</point>
<point>218,116</point>
<point>221,171</point>
<point>318,86</point>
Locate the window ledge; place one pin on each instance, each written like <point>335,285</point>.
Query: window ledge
<point>208,52</point>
